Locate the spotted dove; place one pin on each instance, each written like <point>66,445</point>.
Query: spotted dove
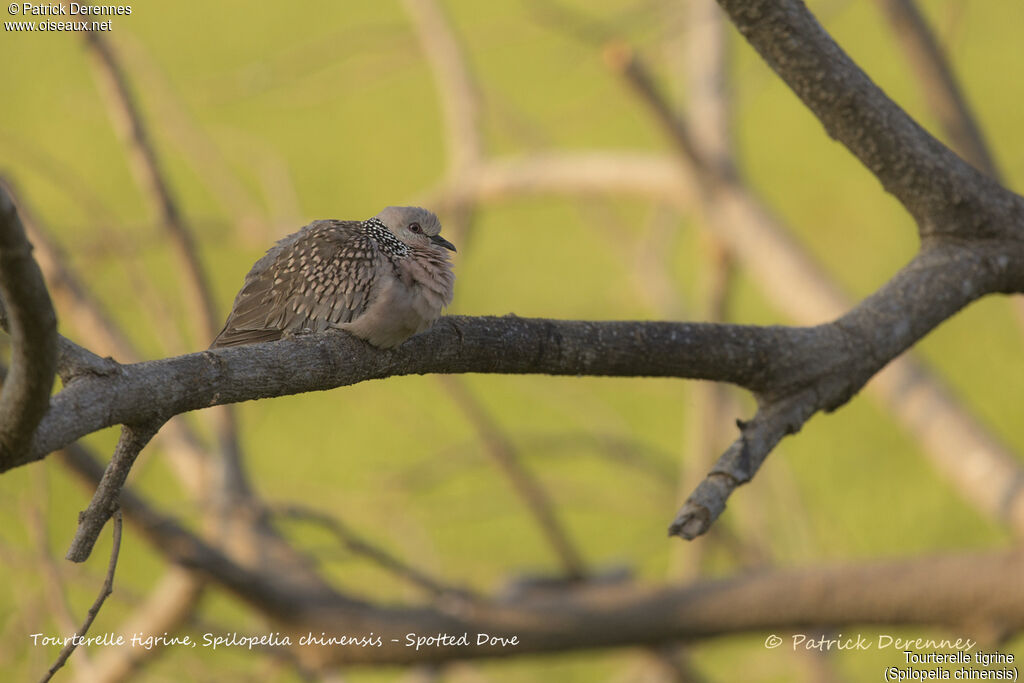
<point>383,279</point>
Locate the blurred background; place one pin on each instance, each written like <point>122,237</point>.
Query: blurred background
<point>567,198</point>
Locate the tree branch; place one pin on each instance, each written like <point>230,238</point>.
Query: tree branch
<point>754,357</point>
<point>529,489</point>
<point>747,227</point>
<point>939,84</point>
<point>169,605</point>
<point>127,114</point>
<point>795,372</point>
<point>946,195</point>
<point>104,501</point>
<point>131,125</point>
<point>27,314</point>
<point>105,591</point>
<point>560,173</point>
<point>899,592</point>
<point>358,545</point>
<point>457,90</point>
<point>880,327</point>
<point>98,330</point>
<point>740,462</point>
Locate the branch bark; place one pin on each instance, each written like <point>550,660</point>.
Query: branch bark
<point>104,501</point>
<point>529,489</point>
<point>747,227</point>
<point>939,84</point>
<point>105,591</point>
<point>27,314</point>
<point>944,194</point>
<point>358,545</point>
<point>131,123</point>
<point>754,357</point>
<point>890,593</point>
<point>169,605</point>
<point>124,110</point>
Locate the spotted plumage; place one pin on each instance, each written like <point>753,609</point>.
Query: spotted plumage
<point>382,279</point>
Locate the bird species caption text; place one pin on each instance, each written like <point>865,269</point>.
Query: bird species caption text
<point>215,641</point>
<point>917,659</point>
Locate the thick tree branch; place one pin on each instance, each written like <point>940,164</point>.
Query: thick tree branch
<point>794,371</point>
<point>97,329</point>
<point>942,91</point>
<point>897,592</point>
<point>882,593</point>
<point>748,228</point>
<point>946,195</point>
<point>745,355</point>
<point>825,365</point>
<point>131,123</point>
<point>27,314</point>
<point>880,328</point>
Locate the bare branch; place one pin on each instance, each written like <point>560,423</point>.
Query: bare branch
<point>104,501</point>
<point>869,325</point>
<point>99,330</point>
<point>171,603</point>
<point>145,162</point>
<point>942,91</point>
<point>940,86</point>
<point>27,314</point>
<point>37,523</point>
<point>740,462</point>
<point>943,193</point>
<point>460,106</point>
<point>559,173</point>
<point>456,88</point>
<point>749,229</point>
<point>91,320</point>
<point>106,590</point>
<point>74,361</point>
<point>879,593</point>
<point>537,500</point>
<point>708,98</point>
<point>592,616</point>
<point>127,114</point>
<point>358,545</point>
<point>197,147</point>
<point>709,111</point>
<point>822,366</point>
<point>757,358</point>
<point>181,546</point>
<point>910,390</point>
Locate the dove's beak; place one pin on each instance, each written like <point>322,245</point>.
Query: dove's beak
<point>442,242</point>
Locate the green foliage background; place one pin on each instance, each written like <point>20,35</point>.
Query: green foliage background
<point>334,100</point>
